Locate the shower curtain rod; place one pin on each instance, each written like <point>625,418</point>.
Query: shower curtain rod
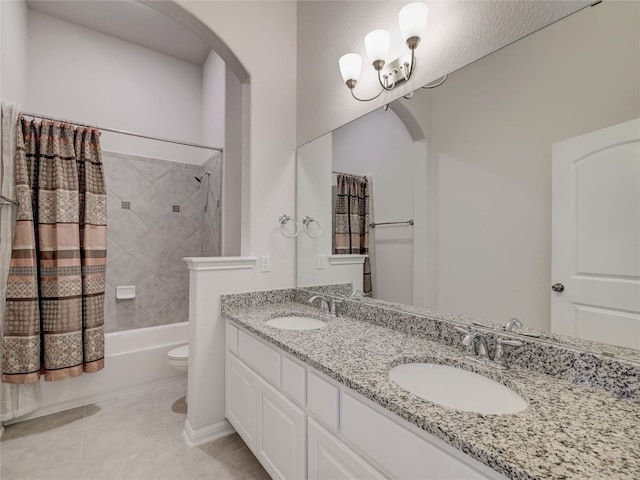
<point>352,174</point>
<point>125,132</point>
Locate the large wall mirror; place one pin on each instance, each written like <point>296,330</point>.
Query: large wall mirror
<point>482,165</point>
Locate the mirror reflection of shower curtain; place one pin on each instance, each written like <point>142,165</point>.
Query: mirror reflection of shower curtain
<point>351,217</point>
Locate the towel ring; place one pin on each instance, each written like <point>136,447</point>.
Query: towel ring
<point>283,220</point>
<point>306,221</point>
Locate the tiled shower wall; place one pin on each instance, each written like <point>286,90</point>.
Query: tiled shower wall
<point>155,217</point>
<point>212,221</point>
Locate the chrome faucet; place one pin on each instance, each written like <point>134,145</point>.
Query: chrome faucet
<point>514,322</point>
<point>476,344</point>
<point>478,351</point>
<point>327,306</point>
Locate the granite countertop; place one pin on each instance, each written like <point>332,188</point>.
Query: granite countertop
<point>568,430</point>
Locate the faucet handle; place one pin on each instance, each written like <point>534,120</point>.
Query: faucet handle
<point>506,341</point>
<point>463,331</point>
<point>499,358</point>
<point>333,302</point>
<point>357,295</point>
<point>467,341</point>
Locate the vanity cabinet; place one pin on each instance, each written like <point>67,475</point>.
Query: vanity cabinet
<point>301,424</point>
<point>271,425</point>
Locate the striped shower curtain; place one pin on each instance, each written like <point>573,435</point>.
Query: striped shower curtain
<point>54,312</point>
<point>352,221</point>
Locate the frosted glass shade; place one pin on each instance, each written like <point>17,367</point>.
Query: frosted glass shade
<point>377,45</point>
<point>350,66</point>
<point>413,20</point>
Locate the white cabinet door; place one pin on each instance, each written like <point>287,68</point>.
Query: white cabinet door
<point>330,459</point>
<point>596,236</point>
<point>281,435</point>
<point>241,385</point>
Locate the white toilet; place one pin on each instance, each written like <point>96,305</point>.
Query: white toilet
<point>178,358</point>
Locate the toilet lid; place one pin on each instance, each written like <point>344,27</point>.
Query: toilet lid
<point>178,353</point>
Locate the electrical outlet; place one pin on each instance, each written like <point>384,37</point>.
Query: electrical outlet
<point>265,264</point>
<point>322,259</point>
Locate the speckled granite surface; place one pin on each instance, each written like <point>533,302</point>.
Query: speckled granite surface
<point>621,353</point>
<point>568,431</point>
<point>578,361</point>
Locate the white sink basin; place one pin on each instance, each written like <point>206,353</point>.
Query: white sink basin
<point>457,388</point>
<point>296,323</point>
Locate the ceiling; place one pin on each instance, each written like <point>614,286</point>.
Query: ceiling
<point>131,21</point>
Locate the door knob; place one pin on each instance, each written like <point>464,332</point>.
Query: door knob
<point>557,287</point>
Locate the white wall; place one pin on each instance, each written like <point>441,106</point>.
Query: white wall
<point>93,78</point>
<point>213,100</point>
<point>252,29</point>
<point>313,200</point>
<point>493,124</point>
<point>380,146</point>
<point>13,48</point>
<point>232,207</point>
<point>248,29</point>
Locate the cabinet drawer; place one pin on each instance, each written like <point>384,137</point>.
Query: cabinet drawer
<point>231,337</point>
<point>294,381</point>
<point>323,400</point>
<point>264,359</point>
<point>389,446</point>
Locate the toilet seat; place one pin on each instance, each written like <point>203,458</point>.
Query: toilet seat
<point>179,356</point>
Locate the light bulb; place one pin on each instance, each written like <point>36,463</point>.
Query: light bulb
<point>413,21</point>
<point>350,66</point>
<point>377,45</point>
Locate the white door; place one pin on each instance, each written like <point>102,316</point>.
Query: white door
<point>596,236</point>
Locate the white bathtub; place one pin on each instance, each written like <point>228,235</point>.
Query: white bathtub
<point>135,360</point>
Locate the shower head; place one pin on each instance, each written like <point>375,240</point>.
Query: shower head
<point>201,176</point>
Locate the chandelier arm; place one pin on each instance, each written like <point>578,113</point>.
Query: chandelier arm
<point>413,62</point>
<point>387,88</point>
<point>365,99</point>
<point>434,85</point>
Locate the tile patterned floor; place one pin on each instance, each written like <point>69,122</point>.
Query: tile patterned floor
<point>138,437</point>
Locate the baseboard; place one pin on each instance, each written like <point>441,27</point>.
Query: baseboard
<point>198,437</point>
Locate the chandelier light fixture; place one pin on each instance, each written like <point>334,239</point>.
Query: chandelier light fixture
<point>413,22</point>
